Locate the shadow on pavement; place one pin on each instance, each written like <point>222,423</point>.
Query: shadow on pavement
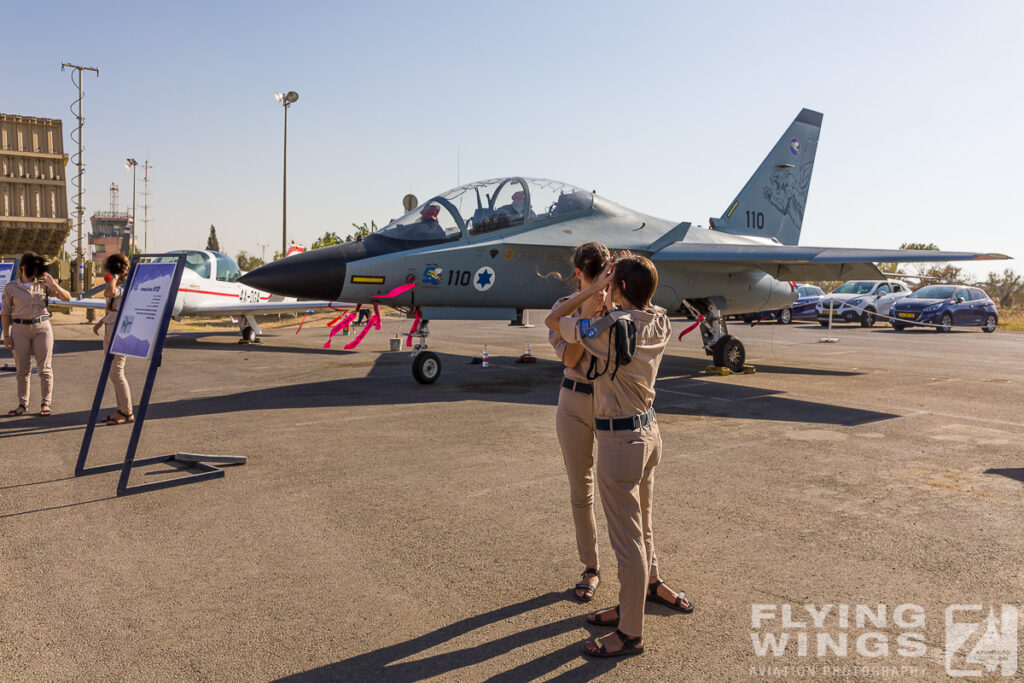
<point>389,383</point>
<point>385,663</point>
<point>1015,473</point>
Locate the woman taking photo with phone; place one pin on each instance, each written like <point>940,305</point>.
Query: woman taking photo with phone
<point>574,421</point>
<point>627,346</point>
<point>26,327</point>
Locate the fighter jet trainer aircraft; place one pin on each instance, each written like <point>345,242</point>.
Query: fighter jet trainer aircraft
<point>488,250</point>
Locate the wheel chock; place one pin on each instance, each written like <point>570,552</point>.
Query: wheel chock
<point>717,370</point>
<point>749,370</point>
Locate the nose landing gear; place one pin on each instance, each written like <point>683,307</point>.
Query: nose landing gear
<point>726,350</point>
<point>426,365</point>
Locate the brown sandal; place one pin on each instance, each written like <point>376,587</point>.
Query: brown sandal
<point>585,586</point>
<point>17,412</point>
<point>45,410</point>
<point>113,418</point>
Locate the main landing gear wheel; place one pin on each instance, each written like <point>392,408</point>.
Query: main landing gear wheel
<point>785,316</point>
<point>426,367</point>
<point>729,353</point>
<point>249,335</point>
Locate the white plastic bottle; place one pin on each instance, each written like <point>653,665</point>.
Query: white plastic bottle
<point>484,357</point>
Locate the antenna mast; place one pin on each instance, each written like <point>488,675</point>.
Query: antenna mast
<point>79,209</point>
<point>145,205</point>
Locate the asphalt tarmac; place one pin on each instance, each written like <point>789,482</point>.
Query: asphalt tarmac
<point>384,530</point>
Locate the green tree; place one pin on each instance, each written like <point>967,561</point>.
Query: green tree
<point>1007,287</point>
<point>328,239</point>
<point>362,231</point>
<point>211,242</point>
<point>247,262</point>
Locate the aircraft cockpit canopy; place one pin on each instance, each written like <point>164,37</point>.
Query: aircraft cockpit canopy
<point>485,206</point>
<point>201,263</point>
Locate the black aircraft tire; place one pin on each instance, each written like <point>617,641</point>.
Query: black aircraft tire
<point>248,334</point>
<point>426,367</point>
<point>729,353</point>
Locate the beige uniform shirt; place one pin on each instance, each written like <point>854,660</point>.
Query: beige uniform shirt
<point>113,305</point>
<point>632,390</point>
<point>577,373</point>
<point>25,300</point>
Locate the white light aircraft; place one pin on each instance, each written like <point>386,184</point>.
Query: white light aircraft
<point>210,288</point>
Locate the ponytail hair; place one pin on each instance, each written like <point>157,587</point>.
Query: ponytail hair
<point>589,257</point>
<point>33,264</point>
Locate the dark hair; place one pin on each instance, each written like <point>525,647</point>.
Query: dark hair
<point>33,263</point>
<point>637,278</point>
<point>117,264</point>
<point>589,257</point>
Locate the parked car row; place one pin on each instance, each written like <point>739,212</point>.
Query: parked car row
<point>941,307</point>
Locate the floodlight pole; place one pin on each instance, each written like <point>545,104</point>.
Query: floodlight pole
<point>284,187</point>
<point>131,163</point>
<point>287,99</point>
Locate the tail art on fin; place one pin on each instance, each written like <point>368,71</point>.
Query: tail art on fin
<point>772,202</point>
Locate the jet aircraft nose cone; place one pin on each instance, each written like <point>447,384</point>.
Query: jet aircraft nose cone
<point>317,274</point>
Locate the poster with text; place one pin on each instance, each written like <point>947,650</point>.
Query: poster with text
<point>142,310</point>
<point>6,274</point>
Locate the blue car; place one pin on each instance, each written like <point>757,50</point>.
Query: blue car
<point>801,309</point>
<point>944,307</point>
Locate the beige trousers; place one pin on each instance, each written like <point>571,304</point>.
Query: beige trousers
<point>574,423</point>
<point>625,478</point>
<point>117,377</point>
<point>32,340</point>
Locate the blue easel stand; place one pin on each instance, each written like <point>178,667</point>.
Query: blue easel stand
<point>197,461</point>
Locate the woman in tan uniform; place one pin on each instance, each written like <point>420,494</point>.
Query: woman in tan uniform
<point>26,326</point>
<point>117,266</point>
<point>628,441</point>
<point>574,422</point>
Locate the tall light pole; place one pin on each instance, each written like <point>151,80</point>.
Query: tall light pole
<point>132,164</point>
<point>286,99</point>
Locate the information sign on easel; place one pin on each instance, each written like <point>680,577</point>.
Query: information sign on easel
<point>140,331</point>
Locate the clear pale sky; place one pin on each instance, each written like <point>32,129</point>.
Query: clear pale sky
<point>664,107</point>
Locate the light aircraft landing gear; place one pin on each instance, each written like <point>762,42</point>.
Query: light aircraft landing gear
<point>726,350</point>
<point>426,365</point>
<point>250,331</point>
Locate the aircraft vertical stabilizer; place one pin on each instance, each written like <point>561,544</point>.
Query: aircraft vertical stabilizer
<point>772,202</point>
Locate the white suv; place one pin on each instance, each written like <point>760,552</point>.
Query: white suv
<point>860,301</point>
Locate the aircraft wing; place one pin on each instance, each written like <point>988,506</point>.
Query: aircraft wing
<point>807,263</point>
<point>239,308</point>
<point>98,304</point>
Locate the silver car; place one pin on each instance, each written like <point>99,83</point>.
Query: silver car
<point>862,301</point>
